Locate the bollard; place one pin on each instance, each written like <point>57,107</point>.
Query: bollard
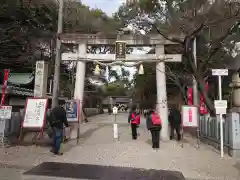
<point>115,125</point>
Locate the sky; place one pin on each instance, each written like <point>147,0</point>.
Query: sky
<point>108,6</point>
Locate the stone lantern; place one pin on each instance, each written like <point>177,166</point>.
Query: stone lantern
<point>234,67</point>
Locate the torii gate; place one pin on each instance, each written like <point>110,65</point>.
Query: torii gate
<point>83,40</point>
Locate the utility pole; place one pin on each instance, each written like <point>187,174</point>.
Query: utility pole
<point>58,57</point>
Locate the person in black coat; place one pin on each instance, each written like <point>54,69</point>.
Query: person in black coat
<point>153,128</point>
<point>175,122</point>
<point>58,119</point>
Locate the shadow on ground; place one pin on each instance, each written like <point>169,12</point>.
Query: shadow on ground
<point>87,171</point>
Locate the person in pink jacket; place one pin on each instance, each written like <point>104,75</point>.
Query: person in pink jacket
<point>134,120</point>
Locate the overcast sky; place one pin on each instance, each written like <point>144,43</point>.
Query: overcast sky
<point>108,6</point>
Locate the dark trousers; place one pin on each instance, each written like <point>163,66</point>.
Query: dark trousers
<point>134,131</point>
<point>176,128</point>
<point>57,139</point>
<point>155,137</point>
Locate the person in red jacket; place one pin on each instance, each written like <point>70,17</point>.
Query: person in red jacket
<point>134,120</point>
<point>154,125</point>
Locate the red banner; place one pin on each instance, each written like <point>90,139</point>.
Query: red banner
<point>203,108</point>
<point>190,96</point>
<point>190,115</point>
<point>4,86</point>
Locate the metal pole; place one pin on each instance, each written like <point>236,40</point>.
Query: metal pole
<point>58,57</point>
<point>195,91</point>
<point>220,115</point>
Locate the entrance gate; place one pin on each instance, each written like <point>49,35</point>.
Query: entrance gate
<point>83,40</point>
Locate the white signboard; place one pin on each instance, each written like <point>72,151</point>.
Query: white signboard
<point>219,72</point>
<point>220,103</point>
<point>35,113</point>
<point>220,106</point>
<point>115,110</point>
<point>5,112</point>
<point>189,116</point>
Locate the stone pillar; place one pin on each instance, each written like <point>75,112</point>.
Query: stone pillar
<point>80,74</point>
<point>41,79</point>
<point>236,89</point>
<point>162,107</point>
<point>79,86</point>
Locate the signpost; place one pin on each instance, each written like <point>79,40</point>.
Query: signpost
<point>72,108</point>
<point>189,116</point>
<point>190,119</point>
<point>5,114</point>
<point>219,104</point>
<point>115,126</point>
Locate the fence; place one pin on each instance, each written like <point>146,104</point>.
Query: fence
<point>210,132</point>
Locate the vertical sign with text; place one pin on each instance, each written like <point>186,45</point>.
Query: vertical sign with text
<point>120,48</point>
<point>41,77</point>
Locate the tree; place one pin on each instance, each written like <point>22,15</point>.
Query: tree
<point>21,26</point>
<point>214,24</point>
<point>28,33</point>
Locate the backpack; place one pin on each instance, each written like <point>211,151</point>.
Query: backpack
<point>52,119</point>
<point>133,116</point>
<point>156,120</point>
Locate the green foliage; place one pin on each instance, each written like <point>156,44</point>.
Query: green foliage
<point>115,89</point>
<point>80,18</point>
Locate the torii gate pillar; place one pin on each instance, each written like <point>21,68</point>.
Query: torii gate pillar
<point>80,76</point>
<point>162,94</point>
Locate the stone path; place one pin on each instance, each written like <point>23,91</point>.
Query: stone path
<point>97,147</point>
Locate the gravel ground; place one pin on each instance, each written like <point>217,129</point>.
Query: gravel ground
<point>98,147</point>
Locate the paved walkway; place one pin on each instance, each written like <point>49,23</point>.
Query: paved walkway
<point>97,147</point>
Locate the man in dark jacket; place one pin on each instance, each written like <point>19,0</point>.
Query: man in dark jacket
<point>58,120</point>
<point>175,122</point>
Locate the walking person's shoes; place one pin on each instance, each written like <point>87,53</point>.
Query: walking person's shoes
<point>56,153</point>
